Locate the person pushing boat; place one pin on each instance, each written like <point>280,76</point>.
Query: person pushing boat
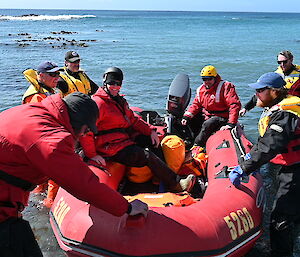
<point>42,147</point>
<point>278,143</point>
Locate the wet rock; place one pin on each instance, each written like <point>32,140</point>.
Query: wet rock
<point>28,15</point>
<point>23,34</point>
<point>83,45</point>
<point>24,45</point>
<point>88,40</point>
<point>63,32</point>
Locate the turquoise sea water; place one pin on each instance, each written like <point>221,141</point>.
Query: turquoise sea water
<point>150,47</point>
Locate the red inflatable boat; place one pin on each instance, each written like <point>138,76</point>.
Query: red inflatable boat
<point>227,221</point>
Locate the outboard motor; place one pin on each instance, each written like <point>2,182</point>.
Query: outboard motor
<point>179,97</point>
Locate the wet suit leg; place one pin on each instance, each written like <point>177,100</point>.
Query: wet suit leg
<point>17,239</point>
<point>286,212</point>
<point>136,156</point>
<point>209,126</point>
<point>145,142</point>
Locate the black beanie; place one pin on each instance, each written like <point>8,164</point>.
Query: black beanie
<point>82,111</point>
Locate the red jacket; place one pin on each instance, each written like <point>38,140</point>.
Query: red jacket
<point>37,143</point>
<point>219,100</point>
<point>116,125</point>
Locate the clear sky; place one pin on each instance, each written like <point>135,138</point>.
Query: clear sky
<point>172,5</point>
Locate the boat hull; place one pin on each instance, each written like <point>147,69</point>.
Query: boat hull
<point>226,222</point>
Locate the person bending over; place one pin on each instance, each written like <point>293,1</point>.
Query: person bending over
<point>42,148</point>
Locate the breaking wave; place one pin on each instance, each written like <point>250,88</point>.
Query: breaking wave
<point>34,17</point>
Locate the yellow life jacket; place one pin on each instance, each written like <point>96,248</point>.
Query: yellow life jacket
<point>290,104</point>
<point>75,85</point>
<point>292,77</point>
<point>34,88</point>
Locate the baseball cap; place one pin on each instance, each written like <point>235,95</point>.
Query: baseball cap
<point>83,110</point>
<point>46,67</point>
<point>270,79</point>
<point>72,56</point>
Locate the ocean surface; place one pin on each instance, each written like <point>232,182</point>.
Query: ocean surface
<point>151,48</point>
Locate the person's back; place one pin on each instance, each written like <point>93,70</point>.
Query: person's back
<point>41,148</point>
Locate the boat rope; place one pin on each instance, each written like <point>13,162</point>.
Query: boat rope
<point>238,141</point>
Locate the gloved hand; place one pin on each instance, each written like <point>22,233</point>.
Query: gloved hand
<point>99,159</point>
<point>247,156</point>
<point>185,120</point>
<point>154,138</point>
<point>196,149</point>
<point>235,175</point>
<point>138,207</point>
<point>242,112</point>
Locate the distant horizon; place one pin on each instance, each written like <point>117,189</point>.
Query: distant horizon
<point>140,10</point>
<point>248,6</point>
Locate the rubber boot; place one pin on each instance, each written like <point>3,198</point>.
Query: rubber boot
<point>185,184</point>
<point>52,192</point>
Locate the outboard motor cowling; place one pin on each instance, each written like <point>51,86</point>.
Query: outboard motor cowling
<point>178,99</point>
<point>179,95</point>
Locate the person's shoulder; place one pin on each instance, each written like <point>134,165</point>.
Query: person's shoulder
<point>62,85</point>
<point>36,98</point>
<point>297,67</point>
<point>201,87</point>
<point>228,83</point>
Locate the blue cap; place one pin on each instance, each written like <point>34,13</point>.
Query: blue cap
<point>45,67</point>
<point>270,79</point>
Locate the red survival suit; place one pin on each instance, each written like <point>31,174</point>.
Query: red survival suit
<point>219,100</point>
<point>42,147</point>
<point>116,124</point>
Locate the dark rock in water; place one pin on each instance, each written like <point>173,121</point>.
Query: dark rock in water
<point>28,15</point>
<point>88,40</point>
<point>83,45</point>
<point>24,45</point>
<point>63,32</point>
<point>23,34</point>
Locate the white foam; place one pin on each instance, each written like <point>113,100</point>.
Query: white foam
<point>45,17</point>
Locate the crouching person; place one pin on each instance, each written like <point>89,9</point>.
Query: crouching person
<point>42,147</point>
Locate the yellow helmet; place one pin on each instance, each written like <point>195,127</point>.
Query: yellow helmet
<point>209,71</point>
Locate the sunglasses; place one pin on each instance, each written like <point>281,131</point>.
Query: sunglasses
<point>53,74</point>
<point>207,79</point>
<point>283,62</point>
<point>259,90</point>
<point>114,83</point>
